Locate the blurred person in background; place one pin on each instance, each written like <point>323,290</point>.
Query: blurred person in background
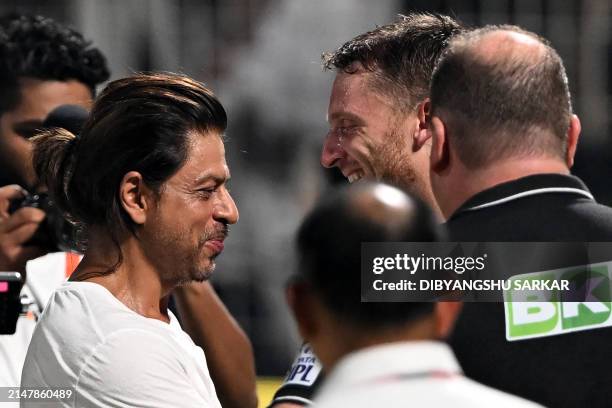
<point>387,354</point>
<point>503,141</point>
<point>377,120</point>
<point>156,216</point>
<point>43,67</point>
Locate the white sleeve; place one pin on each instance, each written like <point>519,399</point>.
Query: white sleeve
<point>136,368</point>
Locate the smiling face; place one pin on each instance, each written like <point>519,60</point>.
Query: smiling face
<point>191,217</point>
<point>370,137</point>
<point>37,99</point>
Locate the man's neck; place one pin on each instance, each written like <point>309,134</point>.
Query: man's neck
<point>347,339</point>
<point>468,182</point>
<point>135,281</point>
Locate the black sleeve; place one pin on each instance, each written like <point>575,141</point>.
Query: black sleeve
<point>301,380</point>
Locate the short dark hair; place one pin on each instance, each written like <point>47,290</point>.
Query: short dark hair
<point>140,123</point>
<point>329,252</point>
<point>401,55</point>
<point>502,104</point>
<point>39,47</point>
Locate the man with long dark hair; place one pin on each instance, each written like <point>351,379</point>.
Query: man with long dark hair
<point>156,215</point>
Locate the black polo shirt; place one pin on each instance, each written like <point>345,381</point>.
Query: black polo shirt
<point>565,370</point>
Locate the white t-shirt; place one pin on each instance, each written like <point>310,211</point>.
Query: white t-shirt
<point>110,356</point>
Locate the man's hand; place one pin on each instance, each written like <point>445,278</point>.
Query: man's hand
<point>16,229</point>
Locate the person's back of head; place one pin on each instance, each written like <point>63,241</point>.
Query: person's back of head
<point>327,291</point>
<point>500,95</point>
<point>504,92</point>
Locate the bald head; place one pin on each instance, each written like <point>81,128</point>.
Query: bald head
<point>370,212</point>
<point>381,205</point>
<point>502,46</point>
<point>329,245</point>
<point>502,92</point>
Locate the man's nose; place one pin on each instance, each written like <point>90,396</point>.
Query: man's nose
<point>226,210</point>
<point>332,151</point>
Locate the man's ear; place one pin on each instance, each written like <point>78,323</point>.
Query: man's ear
<point>421,135</point>
<point>135,197</point>
<point>301,302</point>
<point>573,133</point>
<point>440,148</point>
<point>446,314</point>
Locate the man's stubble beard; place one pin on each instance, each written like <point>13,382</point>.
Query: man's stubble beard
<point>180,266</point>
<point>394,164</point>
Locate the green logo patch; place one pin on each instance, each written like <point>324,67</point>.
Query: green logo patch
<point>540,313</point>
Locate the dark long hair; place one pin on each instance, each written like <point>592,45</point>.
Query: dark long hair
<point>140,123</point>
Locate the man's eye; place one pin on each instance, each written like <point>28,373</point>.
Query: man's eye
<point>206,193</point>
<point>343,130</point>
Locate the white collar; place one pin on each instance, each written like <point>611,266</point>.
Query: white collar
<point>401,358</point>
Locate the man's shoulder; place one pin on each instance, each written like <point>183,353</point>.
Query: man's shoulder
<point>592,211</point>
<point>475,394</point>
<point>459,392</point>
<point>435,380</point>
<point>543,218</point>
<point>539,207</point>
<point>84,314</point>
<point>49,272</point>
<point>73,304</point>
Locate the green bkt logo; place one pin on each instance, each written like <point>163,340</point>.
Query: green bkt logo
<point>548,313</point>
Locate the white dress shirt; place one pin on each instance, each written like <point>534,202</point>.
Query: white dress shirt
<point>408,374</point>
